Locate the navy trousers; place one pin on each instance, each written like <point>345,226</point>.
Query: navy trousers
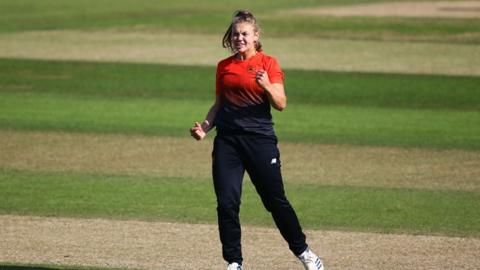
<point>258,155</point>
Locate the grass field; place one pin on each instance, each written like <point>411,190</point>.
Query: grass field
<point>48,267</point>
<point>354,108</point>
<point>381,134</point>
<point>148,198</point>
<point>210,17</point>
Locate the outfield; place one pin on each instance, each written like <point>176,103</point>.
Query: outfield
<point>380,140</point>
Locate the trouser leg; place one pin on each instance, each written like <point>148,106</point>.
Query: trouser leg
<point>228,172</point>
<point>264,170</point>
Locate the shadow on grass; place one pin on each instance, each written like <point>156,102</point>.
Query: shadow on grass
<point>33,267</point>
<point>13,267</point>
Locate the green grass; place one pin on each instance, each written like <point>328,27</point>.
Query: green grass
<point>133,116</point>
<point>376,28</point>
<point>383,90</point>
<point>302,123</point>
<point>109,80</point>
<point>193,200</point>
<point>212,17</point>
<point>324,107</point>
<point>124,80</point>
<point>381,127</point>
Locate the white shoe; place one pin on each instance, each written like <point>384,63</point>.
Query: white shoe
<point>310,260</point>
<point>234,266</point>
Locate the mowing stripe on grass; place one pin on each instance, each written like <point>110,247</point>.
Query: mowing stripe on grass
<point>465,9</point>
<point>210,17</point>
<point>156,245</point>
<point>190,200</point>
<point>319,164</point>
<point>381,127</point>
<point>200,49</point>
<point>115,80</point>
<point>303,123</point>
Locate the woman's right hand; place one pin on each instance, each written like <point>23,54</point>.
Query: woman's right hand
<point>198,132</point>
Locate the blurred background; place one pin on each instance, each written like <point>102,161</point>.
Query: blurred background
<point>381,133</point>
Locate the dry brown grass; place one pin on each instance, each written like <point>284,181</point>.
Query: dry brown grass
<point>449,9</point>
<point>52,151</point>
<point>184,157</point>
<point>191,49</point>
<point>159,245</point>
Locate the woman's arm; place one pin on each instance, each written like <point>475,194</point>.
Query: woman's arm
<point>199,131</point>
<point>275,91</point>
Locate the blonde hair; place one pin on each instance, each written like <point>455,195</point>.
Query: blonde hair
<point>241,16</point>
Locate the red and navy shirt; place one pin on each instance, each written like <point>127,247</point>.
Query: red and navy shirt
<point>245,107</point>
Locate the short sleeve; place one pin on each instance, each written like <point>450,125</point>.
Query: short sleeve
<point>275,73</point>
<point>217,81</point>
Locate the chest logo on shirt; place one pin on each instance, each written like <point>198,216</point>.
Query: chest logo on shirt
<point>250,69</point>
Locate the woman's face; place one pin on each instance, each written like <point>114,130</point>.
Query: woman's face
<point>244,37</point>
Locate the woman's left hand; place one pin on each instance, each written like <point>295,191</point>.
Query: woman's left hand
<point>275,91</point>
<point>262,79</point>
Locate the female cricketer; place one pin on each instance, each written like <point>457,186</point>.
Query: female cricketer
<point>248,83</point>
